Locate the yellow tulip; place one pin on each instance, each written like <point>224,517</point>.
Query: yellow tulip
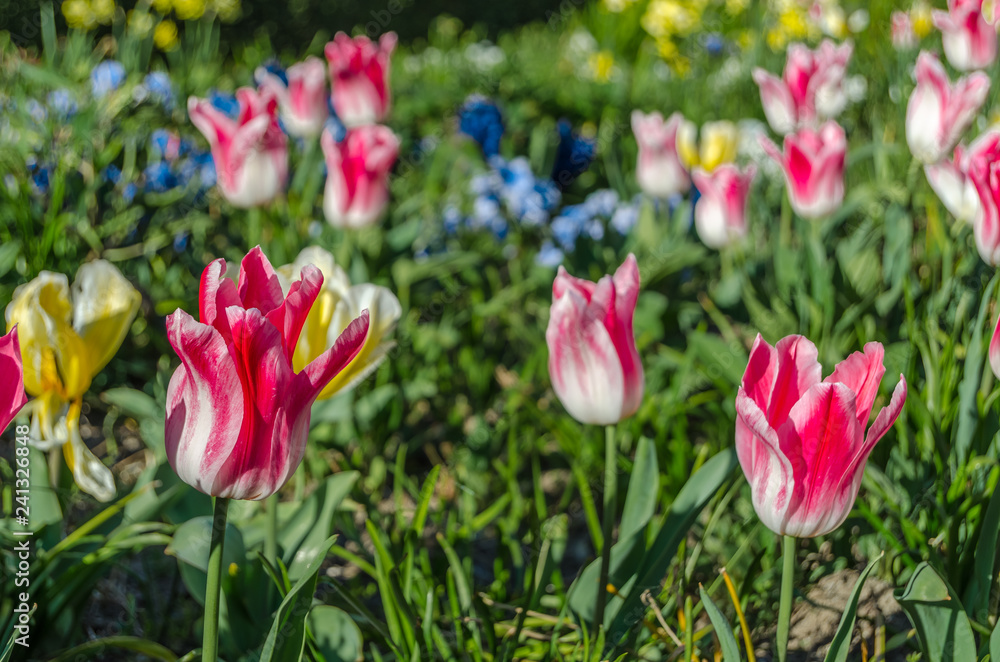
<point>718,144</point>
<point>67,336</point>
<point>337,305</point>
<point>165,35</point>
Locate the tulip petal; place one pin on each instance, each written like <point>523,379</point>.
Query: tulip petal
<point>823,429</point>
<point>767,468</point>
<point>104,306</point>
<point>12,396</point>
<point>205,404</point>
<point>798,370</point>
<point>994,351</point>
<point>315,376</point>
<point>217,294</point>
<point>259,286</point>
<point>758,380</point>
<point>885,419</point>
<point>89,473</point>
<point>779,106</point>
<point>618,321</point>
<point>291,315</point>
<point>862,373</point>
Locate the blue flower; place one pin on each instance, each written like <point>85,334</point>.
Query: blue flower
<point>36,111</point>
<point>452,219</point>
<point>335,127</point>
<point>163,144</point>
<point>159,178</point>
<point>569,225</point>
<point>485,209</point>
<point>39,177</point>
<point>573,156</point>
<point>272,67</point>
<point>714,43</point>
<point>112,174</point>
<point>62,103</point>
<point>225,103</point>
<point>625,218</point>
<point>106,77</point>
<point>180,242</point>
<point>157,84</point>
<point>480,119</point>
<point>549,255</point>
<point>602,203</point>
<point>198,166</point>
<point>129,191</point>
<point>594,229</point>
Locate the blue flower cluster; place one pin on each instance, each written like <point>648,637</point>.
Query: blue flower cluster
<point>573,156</point>
<point>590,219</point>
<point>177,162</point>
<point>480,119</point>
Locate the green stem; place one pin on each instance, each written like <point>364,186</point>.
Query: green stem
<point>210,643</point>
<point>255,224</point>
<point>271,539</point>
<point>787,584</point>
<point>610,490</point>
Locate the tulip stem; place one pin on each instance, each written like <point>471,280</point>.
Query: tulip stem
<point>210,642</point>
<point>787,584</point>
<point>610,491</point>
<point>271,539</point>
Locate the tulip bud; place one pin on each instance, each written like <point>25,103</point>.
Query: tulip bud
<point>593,362</point>
<point>813,162</point>
<point>659,169</point>
<point>720,213</point>
<point>359,74</point>
<point>357,180</point>
<point>250,152</point>
<point>938,112</point>
<point>801,440</point>
<point>302,101</point>
<point>969,40</point>
<point>237,412</point>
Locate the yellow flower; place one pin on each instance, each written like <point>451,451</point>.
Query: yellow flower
<point>920,17</point>
<point>140,23</point>
<point>337,305</point>
<point>736,7</point>
<point>165,35</point>
<point>667,17</point>
<point>719,142</point>
<point>162,6</point>
<point>67,336</point>
<point>227,10</point>
<point>601,65</point>
<point>79,15</point>
<point>104,10</point>
<point>189,10</point>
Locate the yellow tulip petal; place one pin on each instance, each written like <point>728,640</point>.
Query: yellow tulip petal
<point>46,411</point>
<point>89,473</point>
<point>104,305</point>
<point>719,143</point>
<point>687,144</point>
<point>313,339</point>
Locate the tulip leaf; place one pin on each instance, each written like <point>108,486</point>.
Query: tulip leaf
<point>942,627</point>
<point>995,644</point>
<point>190,545</point>
<point>977,593</point>
<point>640,503</point>
<point>727,641</point>
<point>697,491</point>
<point>968,407</point>
<point>299,557</point>
<point>287,637</point>
<point>336,636</point>
<point>841,643</point>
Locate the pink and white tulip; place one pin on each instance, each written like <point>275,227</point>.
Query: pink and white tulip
<point>357,180</point>
<point>659,169</point>
<point>939,112</point>
<point>969,40</point>
<point>237,412</point>
<point>903,36</point>
<point>593,362</point>
<point>359,74</point>
<point>984,171</point>
<point>302,103</point>
<point>951,181</point>
<point>12,396</point>
<point>801,439</point>
<point>994,352</point>
<point>811,88</point>
<point>720,213</point>
<point>813,162</point>
<point>250,152</point>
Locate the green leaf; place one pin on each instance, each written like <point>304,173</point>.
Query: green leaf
<point>730,651</point>
<point>417,526</point>
<point>937,615</point>
<point>682,513</point>
<point>640,503</point>
<point>336,636</point>
<point>995,644</point>
<point>287,636</point>
<point>977,593</point>
<point>191,543</point>
<point>99,647</point>
<point>316,527</point>
<point>968,409</point>
<point>841,644</point>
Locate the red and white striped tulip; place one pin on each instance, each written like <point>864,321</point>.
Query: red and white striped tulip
<point>359,74</point>
<point>302,103</point>
<point>12,396</point>
<point>951,181</point>
<point>984,171</point>
<point>357,180</point>
<point>250,152</point>
<point>939,112</point>
<point>813,162</point>
<point>593,362</point>
<point>903,35</point>
<point>659,169</point>
<point>811,88</point>
<point>720,213</point>
<point>969,40</point>
<point>994,352</point>
<point>237,412</point>
<point>801,439</point>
